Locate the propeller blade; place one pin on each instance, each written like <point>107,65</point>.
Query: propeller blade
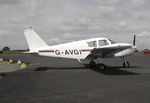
<point>134,40</point>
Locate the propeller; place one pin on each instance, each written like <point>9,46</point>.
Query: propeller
<point>134,40</point>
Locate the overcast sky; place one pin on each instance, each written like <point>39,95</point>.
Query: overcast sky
<point>60,21</point>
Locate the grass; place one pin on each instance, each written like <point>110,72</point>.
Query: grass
<point>138,53</point>
<point>12,52</point>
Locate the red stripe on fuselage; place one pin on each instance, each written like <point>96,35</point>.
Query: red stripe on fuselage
<point>52,51</point>
<point>86,50</point>
<point>46,51</point>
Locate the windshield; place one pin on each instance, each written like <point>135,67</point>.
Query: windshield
<point>112,42</point>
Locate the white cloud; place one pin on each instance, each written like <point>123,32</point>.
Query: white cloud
<point>144,34</point>
<point>138,2</point>
<point>68,20</point>
<point>122,24</point>
<point>107,2</point>
<point>2,32</point>
<point>54,41</point>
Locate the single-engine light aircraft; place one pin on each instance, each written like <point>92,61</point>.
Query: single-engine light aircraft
<point>89,51</point>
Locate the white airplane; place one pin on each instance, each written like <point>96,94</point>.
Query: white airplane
<point>90,51</point>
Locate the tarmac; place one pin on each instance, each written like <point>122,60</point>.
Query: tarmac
<point>55,80</point>
<point>6,67</point>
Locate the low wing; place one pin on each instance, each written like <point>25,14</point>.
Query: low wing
<point>107,51</point>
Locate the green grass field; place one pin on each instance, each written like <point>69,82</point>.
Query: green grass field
<point>138,53</point>
<point>12,52</point>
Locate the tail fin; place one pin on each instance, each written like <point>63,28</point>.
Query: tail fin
<point>134,40</point>
<point>33,40</point>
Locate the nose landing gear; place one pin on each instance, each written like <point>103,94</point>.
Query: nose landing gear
<point>126,64</point>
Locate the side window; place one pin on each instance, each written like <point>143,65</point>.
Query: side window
<point>92,44</point>
<point>102,42</point>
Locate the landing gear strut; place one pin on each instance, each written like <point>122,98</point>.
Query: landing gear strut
<point>126,64</point>
<point>92,64</point>
<point>101,66</point>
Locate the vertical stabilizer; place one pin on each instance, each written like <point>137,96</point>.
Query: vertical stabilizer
<point>33,40</point>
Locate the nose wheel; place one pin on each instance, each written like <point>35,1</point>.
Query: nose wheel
<point>126,64</point>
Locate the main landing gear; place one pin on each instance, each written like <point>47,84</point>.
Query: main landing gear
<point>101,66</point>
<point>92,64</point>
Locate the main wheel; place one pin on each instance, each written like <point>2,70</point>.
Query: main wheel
<point>126,64</point>
<point>92,64</point>
<point>102,67</point>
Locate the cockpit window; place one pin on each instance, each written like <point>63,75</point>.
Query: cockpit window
<point>92,44</point>
<point>103,42</point>
<point>112,42</point>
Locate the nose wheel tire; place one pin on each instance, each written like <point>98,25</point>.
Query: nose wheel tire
<point>126,64</point>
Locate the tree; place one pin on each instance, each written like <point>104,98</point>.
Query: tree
<point>6,49</point>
